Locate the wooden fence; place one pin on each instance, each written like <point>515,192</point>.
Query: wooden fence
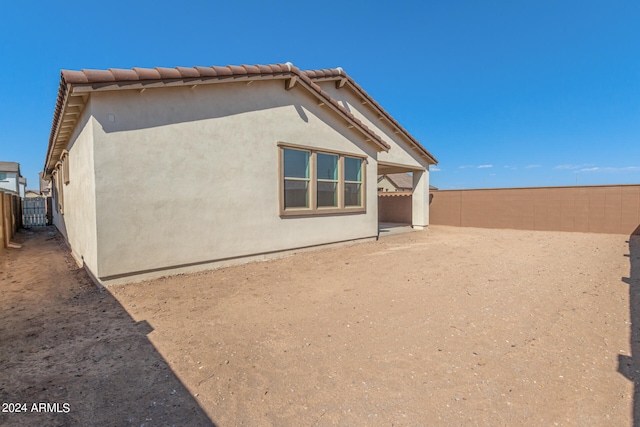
<point>10,217</point>
<point>613,209</point>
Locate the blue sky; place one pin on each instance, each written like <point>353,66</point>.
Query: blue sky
<point>503,93</point>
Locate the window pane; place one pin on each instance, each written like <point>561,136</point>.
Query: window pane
<point>296,163</point>
<point>327,194</point>
<point>296,194</point>
<point>327,166</point>
<point>352,169</point>
<point>352,194</point>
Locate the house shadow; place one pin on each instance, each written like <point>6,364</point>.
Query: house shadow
<point>629,366</point>
<point>67,344</point>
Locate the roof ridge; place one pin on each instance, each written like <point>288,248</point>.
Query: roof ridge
<point>111,75</point>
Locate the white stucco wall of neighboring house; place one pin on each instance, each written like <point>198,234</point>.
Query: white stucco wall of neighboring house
<point>401,152</point>
<point>10,182</point>
<point>187,176</point>
<point>22,186</point>
<point>77,223</point>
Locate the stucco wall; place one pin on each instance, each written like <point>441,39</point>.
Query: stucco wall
<point>599,209</point>
<point>400,153</point>
<point>188,176</point>
<point>10,183</point>
<point>78,223</point>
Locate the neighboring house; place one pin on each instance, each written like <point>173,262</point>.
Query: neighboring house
<point>22,186</point>
<point>397,182</point>
<point>10,179</point>
<point>168,170</point>
<point>45,185</point>
<point>32,194</point>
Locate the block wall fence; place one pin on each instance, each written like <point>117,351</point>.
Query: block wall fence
<point>613,209</point>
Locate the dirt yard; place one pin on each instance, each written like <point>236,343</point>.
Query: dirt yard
<point>449,326</point>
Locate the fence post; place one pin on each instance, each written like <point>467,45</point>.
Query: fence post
<point>2,228</point>
<point>6,218</point>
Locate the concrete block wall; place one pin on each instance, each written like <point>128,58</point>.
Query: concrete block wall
<point>613,209</point>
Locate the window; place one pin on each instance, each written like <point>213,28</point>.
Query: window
<point>352,181</point>
<point>3,176</point>
<point>296,178</point>
<point>327,179</point>
<point>317,182</point>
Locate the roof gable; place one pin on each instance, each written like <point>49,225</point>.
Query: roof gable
<point>343,80</point>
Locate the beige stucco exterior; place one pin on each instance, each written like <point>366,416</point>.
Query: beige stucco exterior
<point>401,153</point>
<point>401,157</point>
<point>77,219</point>
<point>175,179</point>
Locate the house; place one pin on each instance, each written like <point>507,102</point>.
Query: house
<point>10,179</point>
<point>141,162</point>
<point>45,185</point>
<point>395,182</point>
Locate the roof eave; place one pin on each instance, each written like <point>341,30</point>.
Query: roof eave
<point>80,84</point>
<point>342,79</point>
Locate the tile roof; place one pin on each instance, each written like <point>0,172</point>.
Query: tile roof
<point>77,85</point>
<point>9,167</point>
<point>400,180</point>
<point>394,193</point>
<point>338,74</point>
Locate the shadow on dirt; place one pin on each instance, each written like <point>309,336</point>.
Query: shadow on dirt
<point>65,343</point>
<point>629,366</point>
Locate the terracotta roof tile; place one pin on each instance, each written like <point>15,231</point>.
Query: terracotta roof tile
<point>168,73</point>
<point>147,73</point>
<point>99,76</point>
<point>265,69</point>
<point>206,71</point>
<point>188,73</point>
<point>114,75</point>
<point>251,69</point>
<point>120,74</point>
<point>278,68</point>
<point>74,77</point>
<point>222,71</point>
<point>394,193</point>
<point>237,69</point>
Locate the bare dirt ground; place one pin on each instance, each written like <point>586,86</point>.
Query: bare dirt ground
<point>449,326</point>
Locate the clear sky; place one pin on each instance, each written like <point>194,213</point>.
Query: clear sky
<point>503,93</point>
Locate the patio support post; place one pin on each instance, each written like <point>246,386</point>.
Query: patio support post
<point>420,200</point>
